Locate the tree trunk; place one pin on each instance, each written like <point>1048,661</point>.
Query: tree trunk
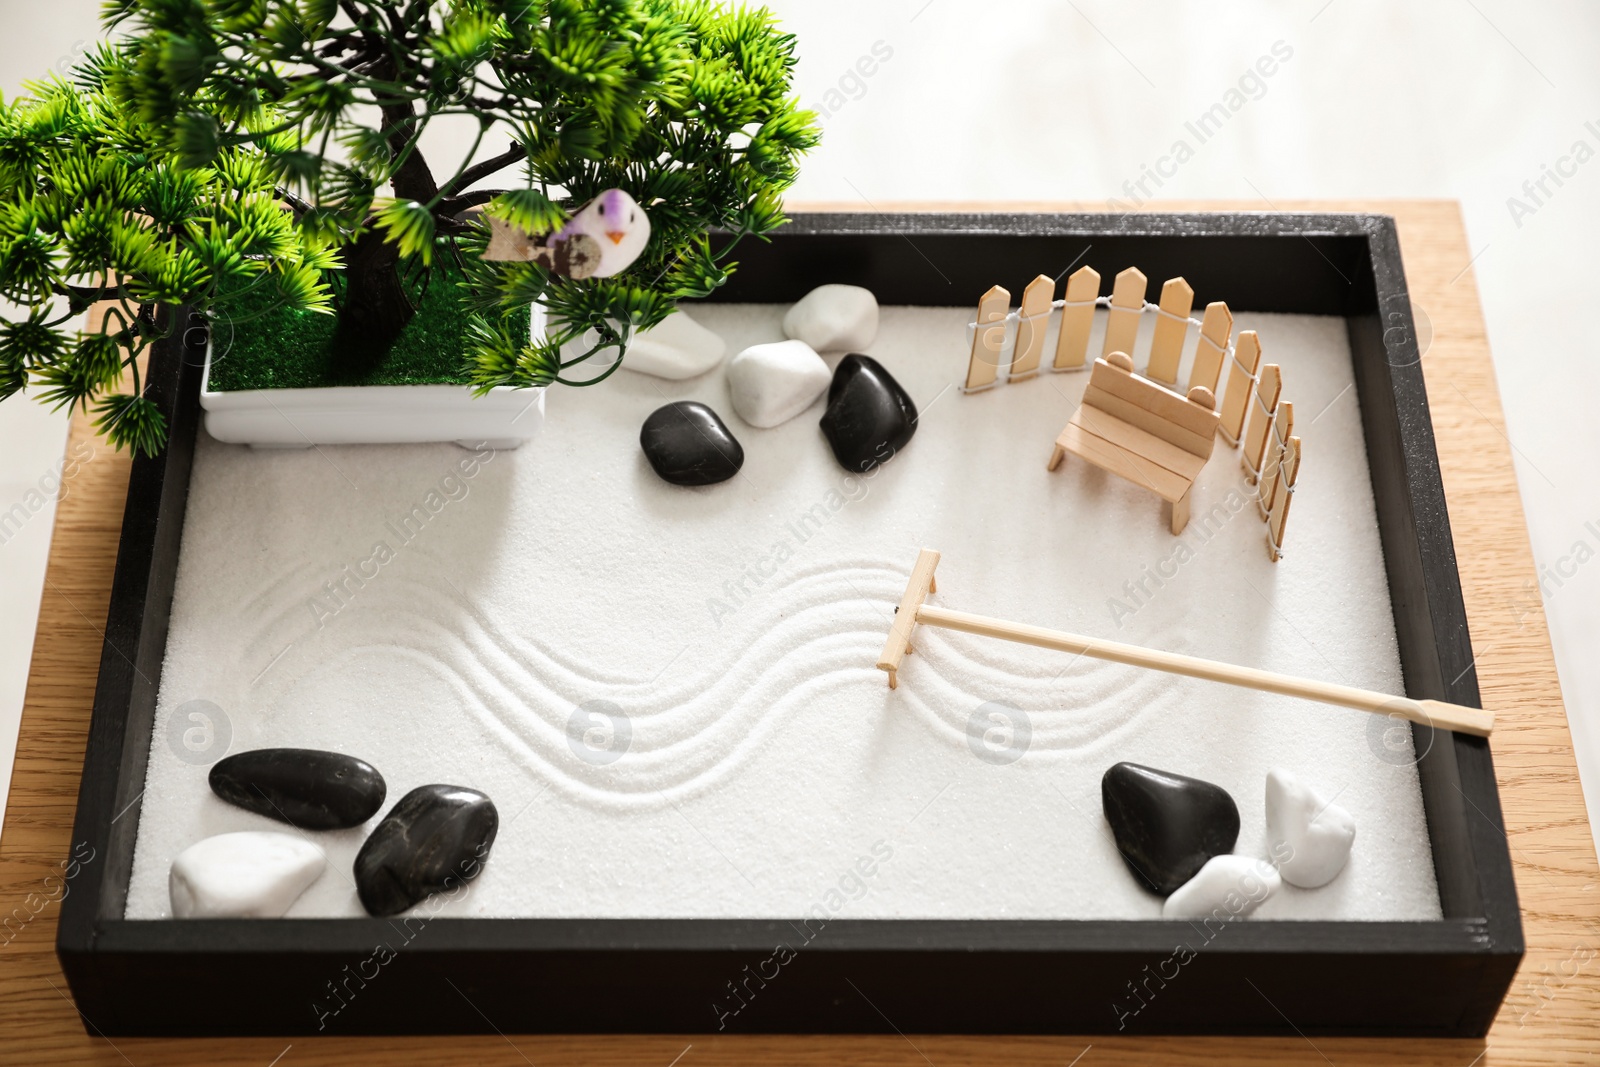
<point>376,307</point>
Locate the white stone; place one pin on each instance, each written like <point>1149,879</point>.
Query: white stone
<point>247,875</point>
<point>1308,837</point>
<point>772,383</point>
<point>834,318</point>
<point>1226,888</point>
<point>675,348</point>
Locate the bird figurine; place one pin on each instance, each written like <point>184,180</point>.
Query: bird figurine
<point>601,239</point>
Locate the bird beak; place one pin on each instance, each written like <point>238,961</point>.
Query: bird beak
<point>616,236</point>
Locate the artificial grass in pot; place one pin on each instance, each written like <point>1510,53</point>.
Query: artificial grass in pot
<point>292,349</point>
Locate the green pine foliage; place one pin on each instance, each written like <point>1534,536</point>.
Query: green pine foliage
<point>95,212</point>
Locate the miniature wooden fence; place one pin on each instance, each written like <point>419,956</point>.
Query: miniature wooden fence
<point>1007,346</point>
<point>1271,456</point>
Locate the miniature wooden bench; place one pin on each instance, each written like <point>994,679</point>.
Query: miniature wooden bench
<point>1140,431</point>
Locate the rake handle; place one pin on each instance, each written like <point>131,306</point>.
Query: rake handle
<point>1436,713</point>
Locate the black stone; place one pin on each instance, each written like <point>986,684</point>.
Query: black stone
<point>435,839</point>
<point>1166,826</point>
<point>304,787</point>
<point>870,417</point>
<point>688,444</point>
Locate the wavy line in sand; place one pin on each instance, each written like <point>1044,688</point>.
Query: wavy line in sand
<point>511,677</point>
<point>684,765</point>
<point>449,600</point>
<point>524,688</point>
<point>699,728</point>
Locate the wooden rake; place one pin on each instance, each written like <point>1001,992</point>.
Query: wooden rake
<point>913,610</point>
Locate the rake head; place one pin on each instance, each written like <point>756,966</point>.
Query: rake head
<point>905,616</point>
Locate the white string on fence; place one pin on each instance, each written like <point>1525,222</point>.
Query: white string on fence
<point>1271,415</point>
<point>1276,448</point>
<point>1016,316</point>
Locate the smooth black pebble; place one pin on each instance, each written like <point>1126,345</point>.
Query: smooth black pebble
<point>304,787</point>
<point>1166,826</point>
<point>435,839</point>
<point>870,417</point>
<point>688,444</point>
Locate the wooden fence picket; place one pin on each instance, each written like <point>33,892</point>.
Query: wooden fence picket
<point>1172,328</point>
<point>1277,441</point>
<point>987,340</point>
<point>1032,319</point>
<point>1262,417</point>
<point>1215,330</point>
<point>1072,345</point>
<point>1241,384</point>
<point>1283,494</point>
<point>1127,304</point>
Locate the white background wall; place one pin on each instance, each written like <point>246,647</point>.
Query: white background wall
<point>33,41</point>
<point>1026,99</point>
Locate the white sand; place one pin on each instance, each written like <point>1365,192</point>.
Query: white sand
<point>767,758</point>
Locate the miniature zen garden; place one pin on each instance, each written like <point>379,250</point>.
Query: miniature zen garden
<point>511,587</point>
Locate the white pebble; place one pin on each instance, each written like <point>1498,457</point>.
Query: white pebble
<point>834,318</point>
<point>675,348</point>
<point>1226,888</point>
<point>772,383</point>
<point>249,875</point>
<point>1307,836</point>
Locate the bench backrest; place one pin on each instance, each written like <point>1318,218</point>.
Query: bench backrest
<point>1189,423</point>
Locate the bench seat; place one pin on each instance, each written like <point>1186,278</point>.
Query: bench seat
<point>1142,432</point>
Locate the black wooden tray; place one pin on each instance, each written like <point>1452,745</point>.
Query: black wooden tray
<point>1443,978</point>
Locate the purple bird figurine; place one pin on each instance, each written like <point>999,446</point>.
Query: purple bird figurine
<point>602,238</point>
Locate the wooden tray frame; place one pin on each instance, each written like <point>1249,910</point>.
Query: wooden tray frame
<point>1443,978</point>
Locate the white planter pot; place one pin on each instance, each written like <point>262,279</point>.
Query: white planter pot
<point>374,414</point>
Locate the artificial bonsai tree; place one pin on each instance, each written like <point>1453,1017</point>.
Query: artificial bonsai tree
<point>266,155</point>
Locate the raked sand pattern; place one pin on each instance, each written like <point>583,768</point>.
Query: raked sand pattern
<point>670,693</point>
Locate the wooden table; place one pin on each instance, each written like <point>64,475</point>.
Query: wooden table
<point>1552,1015</point>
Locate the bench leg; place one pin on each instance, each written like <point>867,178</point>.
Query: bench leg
<point>1180,512</point>
<point>1056,457</point>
